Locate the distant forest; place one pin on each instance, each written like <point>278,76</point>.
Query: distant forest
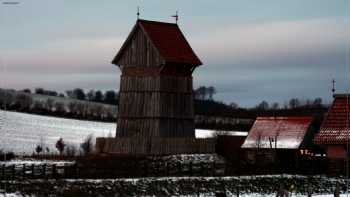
<point>102,105</point>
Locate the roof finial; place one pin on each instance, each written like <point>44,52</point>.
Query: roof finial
<point>138,12</point>
<point>176,16</point>
<point>333,86</point>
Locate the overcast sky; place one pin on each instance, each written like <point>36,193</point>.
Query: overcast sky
<point>251,50</point>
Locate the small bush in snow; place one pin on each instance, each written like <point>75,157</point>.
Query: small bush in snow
<point>38,149</point>
<point>60,145</point>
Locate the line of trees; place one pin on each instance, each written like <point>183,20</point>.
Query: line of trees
<point>107,97</point>
<point>205,105</point>
<point>293,103</point>
<point>24,102</point>
<point>204,93</point>
<point>63,148</point>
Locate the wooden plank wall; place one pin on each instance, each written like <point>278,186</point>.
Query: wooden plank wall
<point>155,146</point>
<point>140,52</point>
<point>156,106</point>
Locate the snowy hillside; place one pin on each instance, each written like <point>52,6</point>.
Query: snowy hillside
<point>21,132</point>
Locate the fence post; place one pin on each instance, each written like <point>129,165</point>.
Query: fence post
<point>24,171</point>
<point>179,169</point>
<point>64,171</point>
<point>76,170</point>
<point>44,171</point>
<point>167,169</point>
<point>54,171</point>
<point>3,171</point>
<point>158,169</point>
<point>191,168</point>
<point>201,168</point>
<point>146,168</point>
<point>13,171</point>
<point>33,171</point>
<point>213,168</point>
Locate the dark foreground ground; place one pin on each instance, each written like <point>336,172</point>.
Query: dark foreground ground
<point>174,186</point>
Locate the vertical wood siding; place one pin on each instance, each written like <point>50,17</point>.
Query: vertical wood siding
<point>156,106</point>
<point>140,52</point>
<point>155,146</point>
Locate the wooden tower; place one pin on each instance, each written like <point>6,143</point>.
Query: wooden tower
<point>156,97</point>
<point>156,111</point>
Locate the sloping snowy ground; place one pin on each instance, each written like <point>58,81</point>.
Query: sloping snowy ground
<point>20,132</point>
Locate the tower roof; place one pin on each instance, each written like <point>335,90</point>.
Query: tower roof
<point>167,39</point>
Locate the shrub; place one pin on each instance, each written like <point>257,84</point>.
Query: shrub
<point>38,149</point>
<point>60,145</point>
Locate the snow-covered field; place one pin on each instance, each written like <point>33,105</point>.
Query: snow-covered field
<point>20,132</point>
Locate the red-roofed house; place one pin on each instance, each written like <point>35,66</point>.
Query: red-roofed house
<point>290,136</point>
<point>335,133</point>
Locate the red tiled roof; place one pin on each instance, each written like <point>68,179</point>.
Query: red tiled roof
<point>335,127</point>
<point>289,132</point>
<point>169,41</point>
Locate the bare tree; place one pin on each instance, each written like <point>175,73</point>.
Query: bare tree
<point>258,140</point>
<point>72,107</point>
<point>263,106</point>
<point>40,146</point>
<point>211,91</point>
<point>90,95</point>
<point>234,105</point>
<point>38,106</point>
<point>275,106</point>
<point>71,150</point>
<point>60,145</point>
<point>317,102</point>
<point>24,101</point>
<point>294,103</point>
<point>49,104</point>
<point>87,145</point>
<point>38,149</point>
<point>201,93</point>
<point>59,107</point>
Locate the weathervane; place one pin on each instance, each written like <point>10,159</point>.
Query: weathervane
<point>333,88</point>
<point>138,12</point>
<point>176,16</point>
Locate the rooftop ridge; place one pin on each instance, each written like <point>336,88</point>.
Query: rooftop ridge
<point>341,95</point>
<point>156,22</point>
<point>283,117</point>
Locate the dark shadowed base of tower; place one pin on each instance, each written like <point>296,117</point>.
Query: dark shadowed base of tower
<point>154,146</point>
